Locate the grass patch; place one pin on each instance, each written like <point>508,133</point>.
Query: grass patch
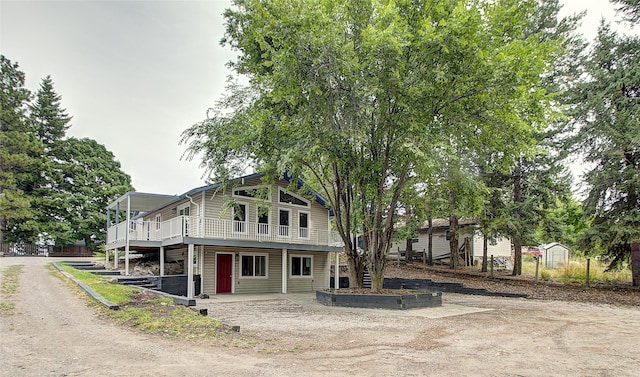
<point>576,272</point>
<point>116,293</point>
<point>8,287</point>
<point>149,313</point>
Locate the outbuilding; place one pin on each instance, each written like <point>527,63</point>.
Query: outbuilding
<point>554,254</point>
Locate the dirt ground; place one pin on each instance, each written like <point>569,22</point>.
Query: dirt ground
<point>56,333</point>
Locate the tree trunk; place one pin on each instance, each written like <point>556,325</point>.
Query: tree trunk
<point>356,270</point>
<point>484,252</point>
<point>430,245</point>
<point>517,256</point>
<point>517,239</point>
<point>408,254</point>
<point>635,263</point>
<point>453,242</point>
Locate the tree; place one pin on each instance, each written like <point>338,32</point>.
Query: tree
<point>608,114</point>
<point>353,96</point>
<point>49,120</point>
<point>630,10</point>
<point>20,156</point>
<point>90,179</point>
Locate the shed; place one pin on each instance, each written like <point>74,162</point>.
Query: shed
<point>554,254</point>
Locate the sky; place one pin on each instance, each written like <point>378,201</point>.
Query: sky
<point>135,74</point>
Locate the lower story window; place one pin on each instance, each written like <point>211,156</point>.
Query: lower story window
<point>252,265</point>
<point>301,266</point>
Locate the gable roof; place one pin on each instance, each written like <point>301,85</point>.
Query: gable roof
<point>144,202</point>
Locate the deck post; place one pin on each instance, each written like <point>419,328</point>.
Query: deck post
<point>126,237</point>
<point>190,271</point>
<point>161,260</point>
<point>284,270</point>
<point>336,273</point>
<point>115,258</point>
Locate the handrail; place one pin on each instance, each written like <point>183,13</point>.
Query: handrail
<point>214,228</point>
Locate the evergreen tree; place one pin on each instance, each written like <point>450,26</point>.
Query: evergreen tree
<point>49,121</point>
<point>20,157</point>
<point>608,113</point>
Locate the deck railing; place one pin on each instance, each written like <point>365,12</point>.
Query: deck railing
<point>193,226</point>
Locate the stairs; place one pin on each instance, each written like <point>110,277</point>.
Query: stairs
<point>150,282</point>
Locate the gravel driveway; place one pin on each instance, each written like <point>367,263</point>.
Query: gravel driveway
<point>56,333</point>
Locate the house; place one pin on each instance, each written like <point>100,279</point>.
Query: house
<point>554,254</point>
<point>243,237</point>
<point>467,229</point>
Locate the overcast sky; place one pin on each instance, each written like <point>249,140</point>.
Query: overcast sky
<point>135,74</point>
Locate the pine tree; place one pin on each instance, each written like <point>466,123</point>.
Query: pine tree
<point>20,157</point>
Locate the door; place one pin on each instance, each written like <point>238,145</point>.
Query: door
<point>184,212</point>
<point>224,273</point>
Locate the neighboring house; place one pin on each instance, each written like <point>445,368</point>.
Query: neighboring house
<point>275,242</point>
<point>554,254</point>
<point>468,228</point>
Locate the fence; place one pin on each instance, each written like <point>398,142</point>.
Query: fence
<point>32,250</point>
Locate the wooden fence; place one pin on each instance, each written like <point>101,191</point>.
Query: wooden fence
<point>33,250</point>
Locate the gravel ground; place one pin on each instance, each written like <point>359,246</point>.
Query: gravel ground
<point>56,332</point>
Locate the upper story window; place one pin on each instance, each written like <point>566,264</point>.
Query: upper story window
<point>158,221</point>
<point>253,192</point>
<point>290,198</point>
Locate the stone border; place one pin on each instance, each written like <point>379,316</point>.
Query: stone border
<point>381,301</point>
<point>93,294</point>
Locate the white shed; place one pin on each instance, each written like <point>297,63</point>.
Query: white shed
<point>554,254</point>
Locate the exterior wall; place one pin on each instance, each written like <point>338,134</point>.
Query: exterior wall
<point>319,279</point>
<point>502,246</point>
<point>273,282</point>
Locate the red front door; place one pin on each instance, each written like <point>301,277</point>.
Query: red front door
<point>224,273</point>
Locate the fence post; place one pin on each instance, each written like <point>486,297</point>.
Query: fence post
<point>537,265</point>
<point>588,269</point>
<point>491,265</point>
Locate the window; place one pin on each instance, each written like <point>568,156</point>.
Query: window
<point>287,197</point>
<point>253,265</point>
<point>253,192</point>
<point>158,221</point>
<point>263,220</point>
<point>240,218</point>
<point>284,220</point>
<point>301,265</point>
<point>303,224</point>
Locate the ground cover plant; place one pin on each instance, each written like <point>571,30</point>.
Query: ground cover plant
<point>8,287</point>
<point>150,313</point>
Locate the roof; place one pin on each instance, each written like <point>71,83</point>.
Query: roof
<point>553,244</point>
<point>444,223</point>
<point>145,202</point>
<point>142,202</point>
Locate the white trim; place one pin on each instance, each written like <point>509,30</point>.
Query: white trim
<point>291,276</point>
<point>285,274</point>
<point>182,207</point>
<point>253,277</point>
<point>295,196</point>
<point>233,271</point>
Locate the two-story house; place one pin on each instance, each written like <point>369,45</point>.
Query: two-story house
<point>243,237</point>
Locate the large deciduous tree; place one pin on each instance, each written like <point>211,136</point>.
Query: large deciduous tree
<point>355,95</point>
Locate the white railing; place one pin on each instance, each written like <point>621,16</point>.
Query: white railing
<point>192,226</point>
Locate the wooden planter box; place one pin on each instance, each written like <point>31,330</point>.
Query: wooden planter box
<point>381,301</point>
